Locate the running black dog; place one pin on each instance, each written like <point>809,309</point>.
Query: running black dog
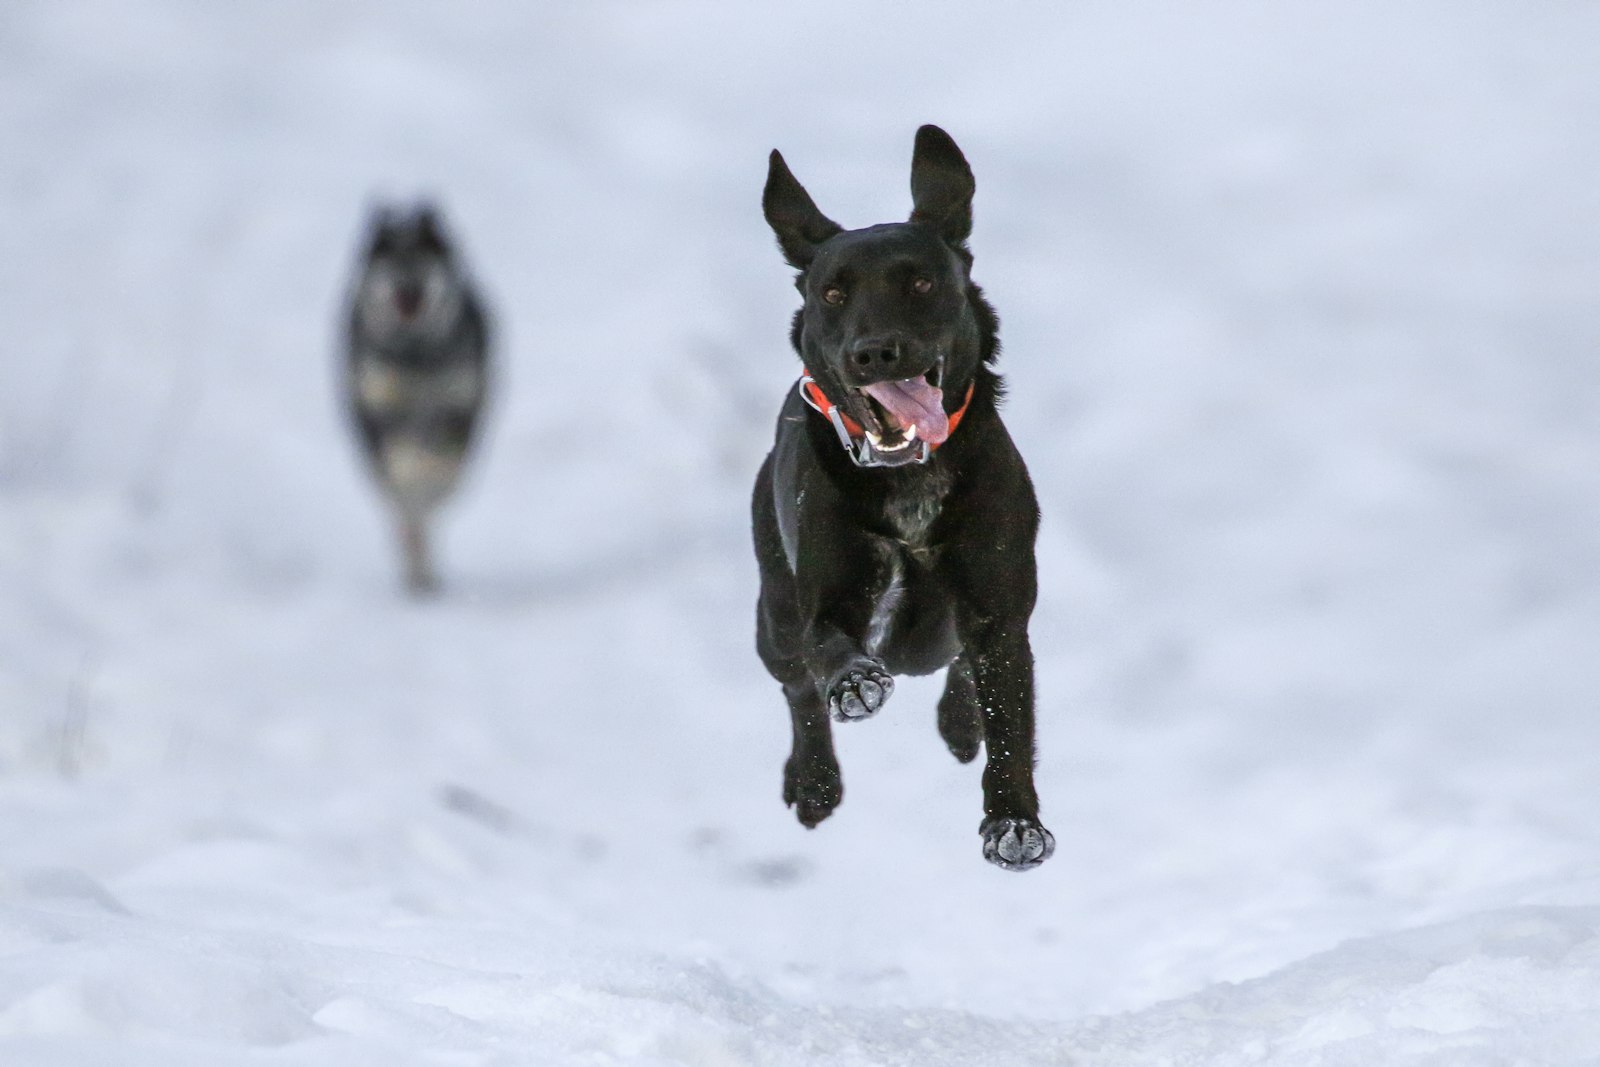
<point>894,518</point>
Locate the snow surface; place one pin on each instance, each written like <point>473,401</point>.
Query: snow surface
<point>1300,317</point>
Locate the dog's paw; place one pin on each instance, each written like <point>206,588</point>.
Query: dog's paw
<point>812,787</point>
<point>859,691</point>
<point>1016,844</point>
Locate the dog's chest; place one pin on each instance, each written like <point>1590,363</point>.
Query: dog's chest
<point>909,550</point>
<point>384,388</point>
<point>911,513</point>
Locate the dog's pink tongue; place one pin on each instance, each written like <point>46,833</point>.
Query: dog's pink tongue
<point>913,402</point>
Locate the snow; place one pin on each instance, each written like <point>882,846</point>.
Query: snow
<point>1300,326</point>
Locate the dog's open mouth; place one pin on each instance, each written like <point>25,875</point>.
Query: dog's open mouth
<point>902,412</point>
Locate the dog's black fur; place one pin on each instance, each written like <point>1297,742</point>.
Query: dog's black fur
<point>871,572</point>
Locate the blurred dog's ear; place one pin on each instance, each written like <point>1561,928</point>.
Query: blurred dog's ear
<point>941,186</point>
<point>793,215</point>
<point>381,222</point>
<point>430,229</point>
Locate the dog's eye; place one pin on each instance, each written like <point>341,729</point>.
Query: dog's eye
<point>922,286</point>
<point>833,295</point>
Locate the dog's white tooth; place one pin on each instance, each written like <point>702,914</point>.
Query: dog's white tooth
<point>905,442</point>
<point>911,433</point>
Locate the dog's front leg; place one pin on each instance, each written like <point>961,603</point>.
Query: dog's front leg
<point>995,584</point>
<point>841,576</point>
<point>1002,665</point>
<point>853,684</point>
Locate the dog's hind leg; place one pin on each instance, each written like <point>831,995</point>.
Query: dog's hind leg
<point>960,717</point>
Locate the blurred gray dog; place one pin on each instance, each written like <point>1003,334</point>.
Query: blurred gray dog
<point>416,371</point>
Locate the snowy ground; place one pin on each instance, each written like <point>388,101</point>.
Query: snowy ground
<point>1301,322</point>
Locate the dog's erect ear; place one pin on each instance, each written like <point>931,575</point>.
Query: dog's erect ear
<point>381,219</point>
<point>793,215</point>
<point>430,229</point>
<point>941,185</point>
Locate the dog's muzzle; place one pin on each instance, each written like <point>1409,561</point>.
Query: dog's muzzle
<point>859,444</point>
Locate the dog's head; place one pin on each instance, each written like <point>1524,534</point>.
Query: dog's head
<point>891,325</point>
<point>409,282</point>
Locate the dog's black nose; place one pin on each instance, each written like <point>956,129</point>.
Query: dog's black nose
<point>873,359</point>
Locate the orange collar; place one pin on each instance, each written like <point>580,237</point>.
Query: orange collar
<point>813,395</point>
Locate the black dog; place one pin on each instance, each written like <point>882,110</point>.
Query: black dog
<point>910,548</point>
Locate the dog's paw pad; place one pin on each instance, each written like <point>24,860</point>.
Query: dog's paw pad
<point>859,693</point>
<point>1016,844</point>
<point>812,788</point>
